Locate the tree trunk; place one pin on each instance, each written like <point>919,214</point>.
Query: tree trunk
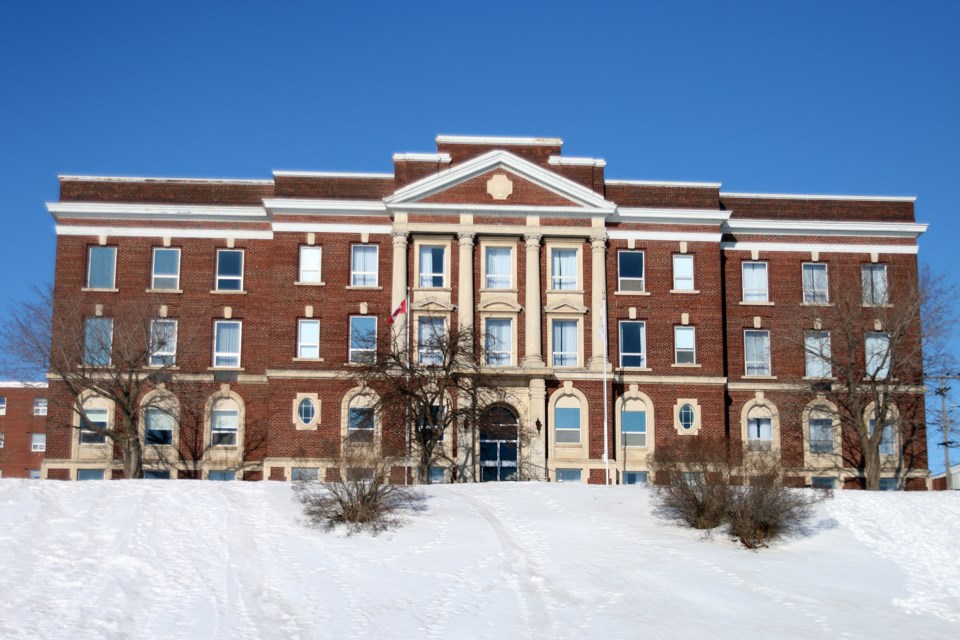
<point>871,467</point>
<point>132,458</point>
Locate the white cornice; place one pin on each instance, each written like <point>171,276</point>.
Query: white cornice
<point>124,211</point>
<point>807,196</point>
<point>803,247</point>
<point>576,162</point>
<point>161,232</point>
<point>422,157</point>
<point>670,216</point>
<point>348,207</point>
<point>329,174</point>
<point>498,209</point>
<point>178,180</point>
<point>665,183</point>
<point>549,142</point>
<point>670,236</point>
<point>826,228</point>
<point>320,227</point>
<point>10,384</point>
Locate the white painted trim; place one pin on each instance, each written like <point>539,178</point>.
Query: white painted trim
<point>674,236</point>
<point>576,162</point>
<point>319,227</point>
<point>827,228</point>
<point>666,183</point>
<point>552,142</point>
<point>422,157</point>
<point>146,179</point>
<point>796,247</point>
<point>501,209</point>
<point>297,205</point>
<point>672,216</point>
<point>329,174</point>
<point>10,384</point>
<point>807,196</point>
<point>160,232</point>
<point>152,211</point>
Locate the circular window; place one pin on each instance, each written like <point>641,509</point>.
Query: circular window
<point>687,416</point>
<point>306,411</point>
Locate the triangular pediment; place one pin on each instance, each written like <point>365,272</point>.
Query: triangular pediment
<point>565,306</point>
<point>499,304</point>
<point>432,304</point>
<point>499,179</point>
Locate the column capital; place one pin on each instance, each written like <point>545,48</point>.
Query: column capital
<point>399,237</point>
<point>598,244</point>
<point>533,240</point>
<point>466,238</point>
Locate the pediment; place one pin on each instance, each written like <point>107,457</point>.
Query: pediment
<point>499,304</point>
<point>432,304</point>
<point>565,306</point>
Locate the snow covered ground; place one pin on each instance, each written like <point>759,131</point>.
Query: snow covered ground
<point>146,559</point>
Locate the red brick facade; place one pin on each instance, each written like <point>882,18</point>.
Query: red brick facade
<point>23,412</point>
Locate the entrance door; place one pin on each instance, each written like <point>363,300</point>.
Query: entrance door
<point>498,445</point>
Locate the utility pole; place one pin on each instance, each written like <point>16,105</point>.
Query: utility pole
<point>945,424</point>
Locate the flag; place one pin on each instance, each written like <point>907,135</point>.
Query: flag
<point>400,309</point>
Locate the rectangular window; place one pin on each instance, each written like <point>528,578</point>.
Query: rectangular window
<point>816,348</point>
<point>630,270</point>
<point>363,265</point>
<point>38,442</point>
<point>756,353</point>
<point>102,268</point>
<point>222,476</point>
<point>156,474</point>
<point>93,418</point>
<point>499,342</point>
<point>821,435</point>
<point>563,269</point>
<point>1,439</point>
<point>166,269</point>
<point>634,425</point>
<point>569,475</point>
<point>633,344</point>
<point>886,440</point>
<point>888,484</point>
<point>874,278</point>
<point>438,475</point>
<point>89,474</point>
<point>40,407</point>
<point>34,474</point>
<point>159,427</point>
<point>567,425</point>
<point>224,425</point>
<point>98,342</point>
<point>304,474</point>
<point>877,346</point>
<point>823,483</point>
<point>430,336</point>
<point>759,434</point>
<point>755,282</point>
<point>685,345</point>
<point>431,266</point>
<point>634,477</point>
<point>815,283</point>
<point>363,338</point>
<point>360,424</point>
<point>3,406</point>
<point>499,264</point>
<point>229,270</point>
<point>565,345</point>
<point>226,343</point>
<point>308,339</point>
<point>163,342</point>
<point>310,264</point>
<point>683,273</point>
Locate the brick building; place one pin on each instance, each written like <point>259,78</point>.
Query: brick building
<point>282,280</point>
<point>23,437</point>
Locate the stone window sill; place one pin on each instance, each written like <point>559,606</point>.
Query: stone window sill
<point>87,289</point>
<point>685,291</point>
<point>310,284</point>
<point>227,293</point>
<point>744,303</point>
<point>631,293</point>
<point>351,287</point>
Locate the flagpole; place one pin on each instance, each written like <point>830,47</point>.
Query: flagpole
<point>606,422</point>
<point>406,346</point>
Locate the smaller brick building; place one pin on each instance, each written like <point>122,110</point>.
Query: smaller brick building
<point>23,437</point>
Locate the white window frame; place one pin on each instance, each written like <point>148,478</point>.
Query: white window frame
<point>564,354</point>
<point>40,406</point>
<point>882,370</point>
<point>302,271</point>
<point>369,432</point>
<point>304,474</point>
<point>231,278</point>
<point>873,300</point>
<point>425,354</point>
<point>301,344</point>
<point>153,270</point>
<point>3,405</point>
<point>95,434</point>
<point>677,330</point>
<point>358,350</point>
<point>354,274</point>
<point>754,441</point>
<point>755,292</point>
<point>578,473</point>
<point>768,364</point>
<point>621,278</point>
<point>642,435</point>
<point>1,439</point>
<point>87,361</point>
<point>832,440</point>
<point>814,354</point>
<point>488,277</point>
<point>215,427</point>
<point>504,350</point>
<point>684,257</point>
<point>643,344</point>
<point>113,277</point>
<point>425,280</point>
<point>166,352</point>
<point>147,428</point>
<point>38,442</point>
<point>813,296</point>
<point>557,429</point>
<point>565,281</point>
<point>227,354</point>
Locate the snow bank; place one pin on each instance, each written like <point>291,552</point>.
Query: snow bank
<point>183,559</point>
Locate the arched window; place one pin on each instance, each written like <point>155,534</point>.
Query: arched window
<point>224,423</point>
<point>567,415</point>
<point>760,425</point>
<point>360,421</point>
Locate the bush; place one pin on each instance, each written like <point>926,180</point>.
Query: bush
<point>692,481</point>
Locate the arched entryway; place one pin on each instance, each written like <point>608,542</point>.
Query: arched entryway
<point>499,435</point>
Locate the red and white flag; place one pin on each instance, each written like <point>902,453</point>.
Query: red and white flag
<point>401,309</point>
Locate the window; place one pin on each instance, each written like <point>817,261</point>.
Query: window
<point>634,426</point>
<point>436,421</point>
<point>821,435</point>
<point>888,484</point>
<point>816,347</point>
<point>304,474</point>
<point>156,474</point>
<point>310,264</point>
<point>687,416</point>
<point>563,269</point>
<point>630,270</point>
<point>166,269</point>
<point>823,483</point>
<point>40,407</point>
<point>438,475</point>
<point>633,344</point>
<point>89,474</point>
<point>97,342</point>
<point>229,270</point>
<point>877,346</point>
<point>308,339</point>
<point>431,266</point>
<point>569,475</point>
<point>38,442</point>
<point>159,427</point>
<point>306,411</point>
<point>683,273</point>
<point>634,477</point>
<point>222,476</point>
<point>93,419</point>
<point>102,268</point>
<point>565,345</point>
<point>224,423</point>
<point>363,338</point>
<point>567,425</point>
<point>226,343</point>
<point>360,424</point>
<point>1,439</point>
<point>34,474</point>
<point>756,350</point>
<point>755,282</point>
<point>163,343</point>
<point>499,264</point>
<point>499,341</point>
<point>815,283</point>
<point>3,406</point>
<point>363,265</point>
<point>760,434</point>
<point>886,440</point>
<point>430,333</point>
<point>874,277</point>
<point>684,343</point>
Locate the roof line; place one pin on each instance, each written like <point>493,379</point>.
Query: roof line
<point>808,196</point>
<point>329,174</point>
<point>548,142</point>
<point>162,179</point>
<point>666,183</point>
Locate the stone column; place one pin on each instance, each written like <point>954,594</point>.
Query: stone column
<point>533,357</point>
<point>399,288</point>
<point>465,281</point>
<point>598,283</point>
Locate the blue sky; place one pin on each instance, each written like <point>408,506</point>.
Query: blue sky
<point>811,97</point>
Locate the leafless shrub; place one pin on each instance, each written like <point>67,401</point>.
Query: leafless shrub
<point>692,481</point>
